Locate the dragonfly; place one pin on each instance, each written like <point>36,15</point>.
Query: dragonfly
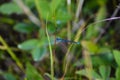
<point>64,40</point>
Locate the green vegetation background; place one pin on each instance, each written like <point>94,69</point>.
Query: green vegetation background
<point>29,49</point>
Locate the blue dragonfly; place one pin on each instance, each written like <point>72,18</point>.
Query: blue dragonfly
<point>64,40</point>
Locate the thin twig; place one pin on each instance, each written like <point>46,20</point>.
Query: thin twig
<point>79,8</point>
<point>83,27</point>
<point>108,24</point>
<point>76,24</point>
<point>27,11</point>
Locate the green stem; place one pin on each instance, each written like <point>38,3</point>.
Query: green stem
<point>51,55</point>
<point>12,54</point>
<point>69,23</point>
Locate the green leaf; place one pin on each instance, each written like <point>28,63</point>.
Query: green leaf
<point>102,2</point>
<point>52,10</point>
<point>91,32</point>
<point>43,8</point>
<point>104,49</point>
<point>100,16</point>
<point>112,78</point>
<point>62,16</point>
<point>32,74</point>
<point>51,28</point>
<point>54,4</point>
<point>29,44</point>
<point>116,54</point>
<point>90,6</point>
<point>29,3</point>
<point>10,8</point>
<point>117,74</point>
<point>43,40</point>
<point>90,46</point>
<point>104,71</point>
<point>94,28</point>
<point>84,73</point>
<point>9,76</point>
<point>24,28</point>
<point>103,59</point>
<point>38,53</point>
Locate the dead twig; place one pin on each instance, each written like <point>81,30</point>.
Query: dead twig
<point>27,11</point>
<point>108,23</point>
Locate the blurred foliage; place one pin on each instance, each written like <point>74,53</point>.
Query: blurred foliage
<point>94,58</point>
<point>32,73</point>
<point>10,8</point>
